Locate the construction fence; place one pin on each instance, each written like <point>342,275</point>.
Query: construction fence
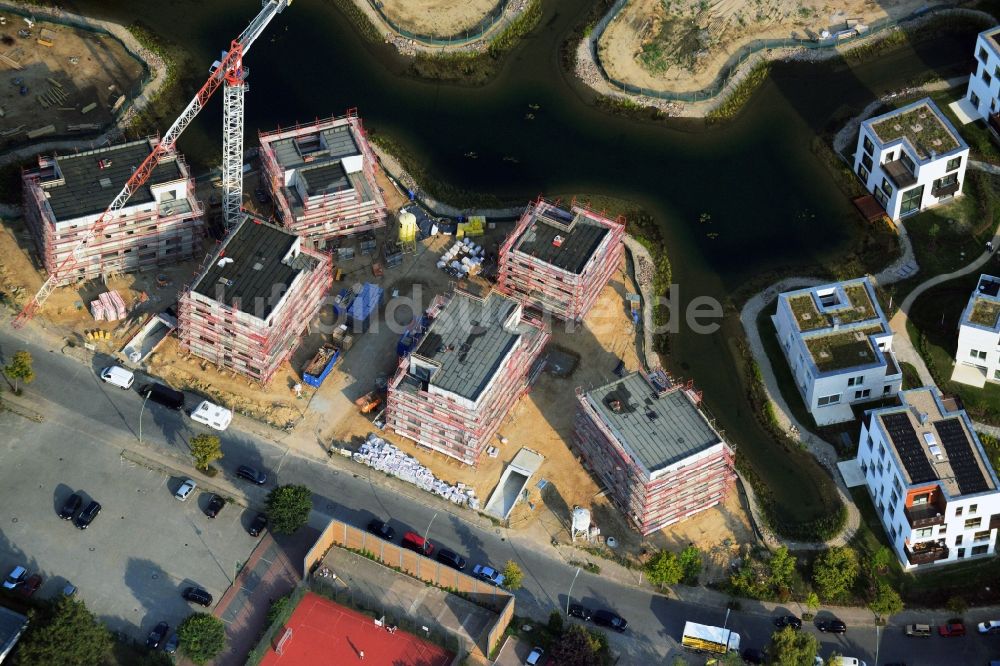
<point>470,34</point>
<point>741,56</point>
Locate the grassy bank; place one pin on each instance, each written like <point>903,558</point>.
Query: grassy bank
<point>645,230</point>
<point>730,106</point>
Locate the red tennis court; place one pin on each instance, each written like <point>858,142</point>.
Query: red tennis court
<point>324,633</point>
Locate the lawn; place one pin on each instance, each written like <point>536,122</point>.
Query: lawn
<point>921,127</point>
<point>839,351</point>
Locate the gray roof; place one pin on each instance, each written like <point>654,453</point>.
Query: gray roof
<point>577,247</point>
<point>468,342</point>
<point>658,430</point>
<point>293,152</point>
<point>88,189</point>
<point>325,178</point>
<point>256,249</point>
<point>11,626</point>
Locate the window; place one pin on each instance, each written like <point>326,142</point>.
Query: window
<point>980,550</point>
<point>887,186</point>
<point>975,353</point>
<point>985,76</point>
<point>868,145</point>
<point>856,381</point>
<point>981,536</point>
<point>958,511</point>
<point>886,389</point>
<point>958,540</point>
<point>954,163</point>
<point>863,173</point>
<point>867,161</point>
<point>881,450</point>
<point>858,395</point>
<point>924,532</point>
<point>911,200</point>
<point>982,54</point>
<point>946,181</point>
<point>828,400</point>
<point>973,523</point>
<point>961,553</point>
<point>921,499</point>
<point>973,508</point>
<point>905,159</point>
<point>943,529</point>
<point>881,198</point>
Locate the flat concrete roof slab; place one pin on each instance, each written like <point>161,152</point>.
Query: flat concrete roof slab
<point>969,375</point>
<point>851,471</point>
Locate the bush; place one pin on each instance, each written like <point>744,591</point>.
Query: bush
<point>512,576</point>
<point>202,637</point>
<point>288,508</point>
<point>556,622</point>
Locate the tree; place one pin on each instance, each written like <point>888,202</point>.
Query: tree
<point>835,572</point>
<point>556,623</point>
<point>288,508</point>
<point>664,569</point>
<point>957,605</point>
<point>880,560</point>
<point>782,566</point>
<point>512,576</point>
<point>579,647</point>
<point>812,602</point>
<point>19,369</point>
<point>691,563</point>
<point>793,648</point>
<point>205,449</point>
<point>202,637</point>
<point>886,601</point>
<point>66,635</point>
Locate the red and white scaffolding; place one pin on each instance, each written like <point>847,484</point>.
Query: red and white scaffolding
<point>542,285</point>
<point>446,425</point>
<point>693,485</point>
<point>325,216</point>
<point>139,239</point>
<point>253,347</point>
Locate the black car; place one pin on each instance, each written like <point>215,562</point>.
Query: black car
<point>214,506</point>
<point>582,612</point>
<point>250,474</point>
<point>196,595</point>
<point>753,656</point>
<point>166,396</point>
<point>609,620</point>
<point>380,529</point>
<point>157,635</point>
<point>70,507</point>
<point>258,525</point>
<point>833,626</point>
<point>86,517</point>
<point>453,560</point>
<point>788,621</point>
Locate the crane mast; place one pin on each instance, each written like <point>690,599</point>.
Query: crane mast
<point>228,71</point>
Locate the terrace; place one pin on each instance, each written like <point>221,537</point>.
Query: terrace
<point>985,313</point>
<point>808,317</point>
<point>843,350</point>
<point>921,126</point>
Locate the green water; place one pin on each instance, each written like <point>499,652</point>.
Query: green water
<point>772,204</point>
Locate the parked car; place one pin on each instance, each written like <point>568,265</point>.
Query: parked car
<point>15,578</point>
<point>951,628</point>
<point>212,415</point>
<point>185,490</point>
<point>380,529</point>
<point>157,635</point>
<point>753,656</point>
<point>86,517</point>
<point>833,626</point>
<point>70,507</point>
<point>989,627</point>
<point>582,612</point>
<point>418,544</point>
<point>489,574</point>
<point>166,396</point>
<point>918,630</point>
<point>252,475</point>
<point>170,647</point>
<point>258,525</point>
<point>196,595</point>
<point>610,620</point>
<point>787,621</point>
<point>453,560</point>
<point>31,585</point>
<point>214,506</point>
<point>535,657</point>
<point>118,376</point>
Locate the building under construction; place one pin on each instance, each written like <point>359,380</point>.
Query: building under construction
<point>558,260</point>
<point>648,442</point>
<point>252,299</point>
<point>322,179</point>
<point>162,223</point>
<point>472,364</point>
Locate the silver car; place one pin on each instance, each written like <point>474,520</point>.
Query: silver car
<point>185,490</point>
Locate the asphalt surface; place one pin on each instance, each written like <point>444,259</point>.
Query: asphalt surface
<point>74,400</point>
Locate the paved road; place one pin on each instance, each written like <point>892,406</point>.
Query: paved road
<point>71,397</point>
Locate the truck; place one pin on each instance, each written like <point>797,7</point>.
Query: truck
<point>705,638</point>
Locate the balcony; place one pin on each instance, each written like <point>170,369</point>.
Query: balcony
<point>899,173</point>
<point>924,516</point>
<point>926,553</point>
<point>945,190</point>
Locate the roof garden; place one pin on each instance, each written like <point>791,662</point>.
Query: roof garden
<point>921,125</point>
<point>845,349</point>
<point>809,318</point>
<point>985,312</point>
<point>983,308</point>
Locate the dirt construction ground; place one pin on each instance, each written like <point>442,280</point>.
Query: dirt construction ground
<point>87,67</point>
<point>681,45</point>
<point>439,18</point>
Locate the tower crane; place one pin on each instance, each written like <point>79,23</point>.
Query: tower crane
<point>229,71</point>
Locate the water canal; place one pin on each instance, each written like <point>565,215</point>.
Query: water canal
<point>771,202</point>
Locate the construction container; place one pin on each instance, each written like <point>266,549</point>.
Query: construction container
<point>321,365</point>
<point>365,304</point>
<point>342,301</point>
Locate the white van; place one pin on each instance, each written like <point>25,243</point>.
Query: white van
<point>118,376</point>
<point>845,661</point>
<point>212,415</point>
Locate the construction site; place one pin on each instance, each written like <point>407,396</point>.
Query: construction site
<point>60,80</point>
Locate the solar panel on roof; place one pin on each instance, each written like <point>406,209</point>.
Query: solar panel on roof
<point>963,461</point>
<point>904,437</point>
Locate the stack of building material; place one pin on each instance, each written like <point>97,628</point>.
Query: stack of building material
<point>474,226</point>
<point>109,306</point>
<point>385,457</point>
<point>461,259</point>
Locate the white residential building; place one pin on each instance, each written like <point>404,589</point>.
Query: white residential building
<point>977,359</point>
<point>984,83</point>
<point>839,347</point>
<point>930,480</point>
<point>911,158</point>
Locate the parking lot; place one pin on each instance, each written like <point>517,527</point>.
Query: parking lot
<point>142,550</point>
